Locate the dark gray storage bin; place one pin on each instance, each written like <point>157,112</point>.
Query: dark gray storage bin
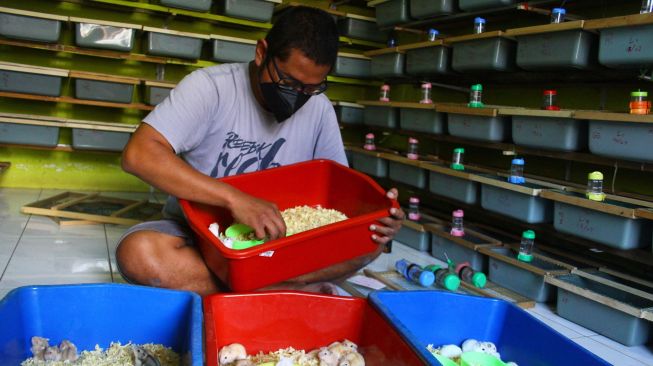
<point>228,49</point>
<point>416,239</point>
<point>197,5</point>
<point>621,140</point>
<point>389,65</point>
<point>30,83</point>
<point>30,28</point>
<point>361,29</point>
<point>428,61</point>
<point>392,12</point>
<point>572,49</point>
<point>461,249</point>
<point>380,116</point>
<point>420,9</point>
<point>104,36</point>
<point>493,129</point>
<point>612,230</point>
<point>156,93</point>
<point>520,206</point>
<point>474,5</point>
<point>407,174</point>
<point>99,140</point>
<point>605,320</point>
<point>458,189</point>
<point>170,45</point>
<point>104,91</point>
<point>369,164</point>
<point>525,282</point>
<point>422,120</point>
<point>349,113</point>
<point>15,133</point>
<point>257,10</point>
<point>626,47</point>
<point>562,134</point>
<point>352,66</point>
<point>489,54</point>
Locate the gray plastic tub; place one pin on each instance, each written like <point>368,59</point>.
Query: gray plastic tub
<point>352,67</point>
<point>14,133</point>
<point>161,44</point>
<point>156,94</point>
<point>392,12</point>
<point>104,36</point>
<point>369,164</point>
<point>614,324</point>
<point>408,174</point>
<point>30,28</point>
<point>420,9</point>
<point>520,280</point>
<point>103,91</point>
<point>520,206</point>
<point>361,29</point>
<point>257,10</point>
<point>224,50</point>
<point>428,61</point>
<point>473,5</point>
<point>460,249</point>
<point>490,54</point>
<point>626,47</point>
<point>349,114</point>
<point>99,140</point>
<point>493,129</point>
<point>562,134</point>
<point>197,5</point>
<point>612,230</point>
<point>419,240</point>
<point>572,49</point>
<point>621,140</point>
<point>380,116</point>
<point>422,120</point>
<point>388,65</point>
<point>25,82</point>
<point>455,188</point>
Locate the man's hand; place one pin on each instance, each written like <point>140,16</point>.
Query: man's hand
<point>263,216</point>
<point>384,233</point>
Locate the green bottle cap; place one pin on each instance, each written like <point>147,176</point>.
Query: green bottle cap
<point>479,279</point>
<point>451,282</point>
<point>432,267</point>
<point>595,176</point>
<point>477,87</point>
<point>529,234</point>
<point>639,93</point>
<point>460,150</point>
<point>525,257</point>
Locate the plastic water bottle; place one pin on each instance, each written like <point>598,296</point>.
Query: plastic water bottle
<point>469,275</point>
<point>444,277</point>
<point>426,93</point>
<point>384,96</point>
<point>457,228</point>
<point>647,7</point>
<point>595,187</point>
<point>517,171</point>
<point>526,246</point>
<point>479,25</point>
<point>414,273</point>
<point>558,15</point>
<point>639,103</point>
<point>476,96</point>
<point>549,100</point>
<point>369,142</point>
<point>457,159</point>
<point>413,209</point>
<point>413,149</point>
<point>433,34</point>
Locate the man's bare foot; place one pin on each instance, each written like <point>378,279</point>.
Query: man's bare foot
<point>318,287</point>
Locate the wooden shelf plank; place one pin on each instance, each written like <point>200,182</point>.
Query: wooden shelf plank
<point>621,21</point>
<point>70,100</point>
<point>457,108</point>
<point>11,66</point>
<point>527,266</point>
<point>614,116</point>
<point>35,14</point>
<point>614,284</point>
<point>60,147</point>
<point>383,51</point>
<point>347,104</point>
<point>410,105</point>
<point>353,55</point>
<point>176,32</point>
<point>589,204</point>
<point>233,39</point>
<point>474,37</point>
<point>531,112</point>
<point>644,213</point>
<point>426,44</point>
<point>87,125</point>
<point>160,84</point>
<point>545,28</point>
<point>104,77</point>
<point>493,181</point>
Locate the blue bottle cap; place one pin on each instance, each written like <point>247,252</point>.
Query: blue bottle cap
<point>517,161</point>
<point>392,42</point>
<point>479,20</point>
<point>559,10</point>
<point>426,278</point>
<point>433,32</point>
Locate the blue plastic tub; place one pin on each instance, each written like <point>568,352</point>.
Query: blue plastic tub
<point>439,318</point>
<point>100,314</point>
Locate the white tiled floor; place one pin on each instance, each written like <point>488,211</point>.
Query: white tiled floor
<point>35,250</point>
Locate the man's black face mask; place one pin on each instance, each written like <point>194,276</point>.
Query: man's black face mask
<point>281,99</point>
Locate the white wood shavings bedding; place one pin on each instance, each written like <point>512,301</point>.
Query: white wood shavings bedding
<point>115,355</point>
<point>303,218</point>
<point>298,357</point>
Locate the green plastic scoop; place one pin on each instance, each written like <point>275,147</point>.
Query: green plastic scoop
<point>237,231</point>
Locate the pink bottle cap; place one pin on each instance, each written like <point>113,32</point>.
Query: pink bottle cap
<point>413,200</point>
<point>460,266</point>
<point>412,140</point>
<point>370,147</point>
<point>369,136</point>
<point>427,86</point>
<point>458,213</point>
<point>385,87</point>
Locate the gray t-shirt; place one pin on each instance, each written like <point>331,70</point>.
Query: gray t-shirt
<point>214,122</point>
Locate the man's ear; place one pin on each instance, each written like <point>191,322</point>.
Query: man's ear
<point>261,51</point>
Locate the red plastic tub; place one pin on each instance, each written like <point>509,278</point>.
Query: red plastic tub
<point>269,321</point>
<point>317,182</point>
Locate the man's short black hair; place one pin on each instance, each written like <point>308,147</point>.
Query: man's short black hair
<point>310,30</point>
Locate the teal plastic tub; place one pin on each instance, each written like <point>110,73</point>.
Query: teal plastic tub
<point>621,140</point>
<point>517,205</point>
<point>197,5</point>
<point>387,117</point>
<point>481,55</point>
<point>161,44</point>
<point>389,65</point>
<point>572,49</point>
<point>422,120</point>
<point>420,9</point>
<point>561,134</point>
<point>104,91</point>
<point>226,50</point>
<point>408,174</point>
<point>392,12</point>
<point>30,83</point>
<point>491,129</point>
<point>349,114</point>
<point>458,189</point>
<point>361,29</point>
<point>30,28</point>
<point>256,10</point>
<point>418,240</point>
<point>371,165</point>
<point>15,133</point>
<point>626,47</point>
<point>428,61</point>
<point>353,67</point>
<point>99,140</point>
<point>156,94</point>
